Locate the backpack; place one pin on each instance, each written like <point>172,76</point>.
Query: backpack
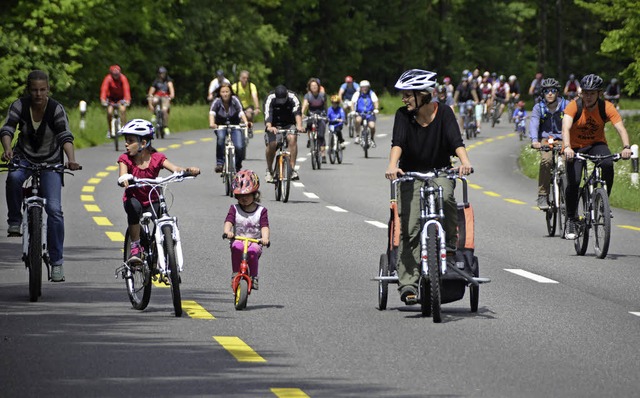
<point>601,109</point>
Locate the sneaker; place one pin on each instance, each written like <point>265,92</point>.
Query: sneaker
<point>343,145</point>
<point>14,230</point>
<point>373,144</point>
<point>254,283</point>
<point>135,254</point>
<point>218,168</point>
<point>108,135</point>
<point>308,144</point>
<point>167,131</point>
<point>153,118</point>
<point>409,295</point>
<point>357,140</point>
<point>543,202</point>
<point>324,159</point>
<point>571,233</point>
<point>57,273</point>
<point>294,175</point>
<point>268,178</point>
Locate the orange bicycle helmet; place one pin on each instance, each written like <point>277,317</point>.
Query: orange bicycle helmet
<point>245,182</point>
<point>335,98</point>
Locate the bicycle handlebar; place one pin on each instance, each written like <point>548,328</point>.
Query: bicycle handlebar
<point>595,158</point>
<point>58,167</point>
<point>415,175</point>
<point>175,177</point>
<point>237,237</point>
<point>314,116</point>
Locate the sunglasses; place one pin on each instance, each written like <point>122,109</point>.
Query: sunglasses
<point>550,90</point>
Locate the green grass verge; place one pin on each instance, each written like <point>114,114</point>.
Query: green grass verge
<point>624,195</point>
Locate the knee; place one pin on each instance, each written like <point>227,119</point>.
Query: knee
<point>54,209</point>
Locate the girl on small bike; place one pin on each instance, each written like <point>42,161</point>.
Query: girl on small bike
<point>142,161</point>
<point>248,218</point>
<point>337,117</point>
<point>519,114</point>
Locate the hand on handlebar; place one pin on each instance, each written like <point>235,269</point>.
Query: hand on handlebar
<point>73,166</point>
<point>192,171</point>
<point>7,155</point>
<point>568,153</point>
<point>228,235</point>
<point>393,173</point>
<point>626,153</point>
<point>536,145</point>
<point>465,169</point>
<point>124,180</point>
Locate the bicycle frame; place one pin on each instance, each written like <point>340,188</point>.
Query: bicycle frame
<point>244,271</point>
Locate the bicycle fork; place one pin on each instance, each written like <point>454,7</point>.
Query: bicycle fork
<point>433,218</point>
<point>175,233</point>
<point>30,203</point>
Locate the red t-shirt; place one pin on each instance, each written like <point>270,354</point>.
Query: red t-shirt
<point>115,90</point>
<point>155,165</point>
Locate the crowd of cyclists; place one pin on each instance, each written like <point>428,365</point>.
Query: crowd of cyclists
<point>574,118</point>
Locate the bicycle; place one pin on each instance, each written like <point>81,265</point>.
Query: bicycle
<point>511,107</point>
<point>521,128</point>
<point>229,167</point>
<point>242,282</point>
<point>495,111</point>
<point>161,257</point>
<point>365,133</point>
<point>116,123</point>
<point>593,211</point>
<point>469,120</point>
<point>433,253</point>
<point>312,134</point>
<point>283,170</point>
<point>334,148</point>
<point>34,226</point>
<point>351,123</point>
<point>556,214</point>
<point>159,115</point>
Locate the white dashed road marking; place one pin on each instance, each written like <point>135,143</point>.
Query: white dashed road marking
<point>311,195</point>
<point>337,209</point>
<point>634,313</point>
<point>377,224</point>
<point>298,184</point>
<point>530,275</point>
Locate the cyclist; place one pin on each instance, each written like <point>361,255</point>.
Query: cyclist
<point>425,135</point>
<point>612,92</point>
<point>346,92</point>
<point>584,133</point>
<point>464,92</point>
<point>247,93</point>
<point>448,86</point>
<point>141,160</point>
<point>514,88</point>
<point>248,218</point>
<point>546,122</point>
<point>364,101</point>
<point>281,110</point>
<point>519,114</point>
<point>499,94</point>
<point>44,136</point>
<point>315,102</point>
<point>227,109</point>
<point>215,83</point>
<point>115,90</point>
<point>535,89</point>
<point>572,87</point>
<point>443,97</point>
<point>163,92</point>
<point>337,118</point>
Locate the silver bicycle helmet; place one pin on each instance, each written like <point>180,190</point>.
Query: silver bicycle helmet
<point>550,82</point>
<point>591,82</point>
<point>140,127</point>
<point>417,79</point>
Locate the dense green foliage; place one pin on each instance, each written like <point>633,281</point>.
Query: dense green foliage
<point>289,41</point>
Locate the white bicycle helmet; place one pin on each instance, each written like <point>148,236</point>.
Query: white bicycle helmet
<point>365,83</point>
<point>140,127</point>
<point>417,79</point>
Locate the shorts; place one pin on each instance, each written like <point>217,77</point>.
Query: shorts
<point>270,137</point>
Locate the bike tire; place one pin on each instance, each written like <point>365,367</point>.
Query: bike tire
<point>339,154</point>
<point>364,137</point>
<point>551,216</point>
<point>425,296</point>
<point>601,222</point>
<point>352,128</point>
<point>314,158</point>
<point>34,253</point>
<point>332,152</point>
<point>277,179</point>
<point>137,279</point>
<point>242,294</point>
<point>474,291</point>
<point>561,207</point>
<point>433,259</point>
<point>172,266</point>
<point>115,127</point>
<point>286,180</point>
<point>582,224</point>
<point>383,286</point>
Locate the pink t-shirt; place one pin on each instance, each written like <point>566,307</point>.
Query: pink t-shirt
<point>155,165</point>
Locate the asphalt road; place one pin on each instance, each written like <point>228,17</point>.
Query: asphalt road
<point>313,328</point>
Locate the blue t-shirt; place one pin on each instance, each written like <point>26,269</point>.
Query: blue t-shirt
<point>336,113</point>
<point>348,92</point>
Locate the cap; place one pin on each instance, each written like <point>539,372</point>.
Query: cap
<point>220,72</point>
<point>162,69</point>
<point>282,94</point>
<point>114,69</point>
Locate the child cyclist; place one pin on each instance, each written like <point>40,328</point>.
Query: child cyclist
<point>336,117</point>
<point>142,161</point>
<point>519,114</point>
<point>249,219</point>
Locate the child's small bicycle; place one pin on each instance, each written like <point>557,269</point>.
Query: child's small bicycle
<point>242,282</point>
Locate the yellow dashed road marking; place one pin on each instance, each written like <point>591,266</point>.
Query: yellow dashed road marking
<point>493,194</point>
<point>157,283</point>
<point>474,186</point>
<point>102,174</point>
<point>92,208</point>
<point>208,139</point>
<point>87,198</point>
<point>88,188</point>
<point>629,227</point>
<point>111,168</point>
<point>191,142</point>
<point>289,393</point>
<point>195,310</point>
<point>115,236</point>
<point>102,221</point>
<point>239,349</point>
<point>161,149</point>
<point>175,146</point>
<point>489,140</point>
<point>94,181</point>
<point>501,137</point>
<point>516,201</point>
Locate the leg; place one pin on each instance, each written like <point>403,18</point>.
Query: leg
<point>321,131</point>
<point>270,151</point>
<point>237,247</point>
<point>574,173</point>
<point>13,192</point>
<point>254,252</point>
<point>372,128</point>
<point>133,208</point>
<point>237,137</point>
<point>606,165</point>
<point>358,124</point>
<point>166,103</point>
<point>450,212</point>
<point>109,118</point>
<point>544,175</point>
<point>409,248</point>
<point>292,140</point>
<point>123,113</point>
<point>338,131</point>
<point>221,135</point>
<point>51,184</point>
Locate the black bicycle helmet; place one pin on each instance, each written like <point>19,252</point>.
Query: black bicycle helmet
<point>591,82</point>
<point>550,83</point>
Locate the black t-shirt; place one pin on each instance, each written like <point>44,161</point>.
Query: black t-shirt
<point>465,92</point>
<point>426,148</point>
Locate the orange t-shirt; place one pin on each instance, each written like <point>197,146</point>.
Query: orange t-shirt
<point>589,129</point>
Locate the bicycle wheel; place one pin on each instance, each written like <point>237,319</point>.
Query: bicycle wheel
<point>286,180</point>
<point>339,154</point>
<point>433,259</point>
<point>34,253</point>
<point>115,127</point>
<point>551,216</point>
<point>601,222</point>
<point>172,265</point>
<point>314,158</point>
<point>582,224</point>
<point>159,122</point>
<point>331,150</point>
<point>474,291</point>
<point>365,141</point>
<point>242,293</point>
<point>352,127</point>
<point>383,286</point>
<point>425,296</point>
<point>561,206</point>
<point>277,179</point>
<point>137,279</point>
<point>494,117</point>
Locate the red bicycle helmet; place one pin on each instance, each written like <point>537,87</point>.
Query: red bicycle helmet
<point>245,182</point>
<point>348,79</point>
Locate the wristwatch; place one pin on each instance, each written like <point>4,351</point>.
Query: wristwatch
<point>626,147</point>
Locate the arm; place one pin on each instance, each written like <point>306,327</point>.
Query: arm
<point>624,137</point>
<point>172,91</point>
<point>104,90</point>
<point>228,229</point>
<point>126,88</point>
<point>71,157</point>
<point>465,164</point>
<point>534,126</point>
<point>305,106</point>
<point>392,168</point>
<point>173,168</point>
<point>265,235</point>
<point>567,122</point>
<point>254,96</point>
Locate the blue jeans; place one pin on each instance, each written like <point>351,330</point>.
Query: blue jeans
<point>51,190</point>
<point>238,141</point>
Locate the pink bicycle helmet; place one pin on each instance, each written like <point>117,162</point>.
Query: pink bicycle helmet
<point>245,182</point>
